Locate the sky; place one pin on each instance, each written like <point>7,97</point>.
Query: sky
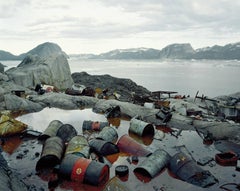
<point>97,26</point>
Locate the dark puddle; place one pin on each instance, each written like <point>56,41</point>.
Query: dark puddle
<point>22,155</point>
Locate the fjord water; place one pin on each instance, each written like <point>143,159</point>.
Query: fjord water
<point>211,77</point>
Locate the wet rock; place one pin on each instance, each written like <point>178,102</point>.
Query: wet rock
<point>15,103</point>
<point>9,179</point>
<point>64,101</point>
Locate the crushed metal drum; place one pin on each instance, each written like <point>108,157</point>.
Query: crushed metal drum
<point>79,146</point>
<point>154,163</point>
<point>83,170</point>
<point>128,145</point>
<point>51,130</point>
<point>66,132</point>
<point>103,147</point>
<point>141,128</point>
<point>108,134</point>
<point>187,170</point>
<point>52,153</point>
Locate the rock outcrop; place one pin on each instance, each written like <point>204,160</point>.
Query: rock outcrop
<point>122,86</point>
<point>48,66</point>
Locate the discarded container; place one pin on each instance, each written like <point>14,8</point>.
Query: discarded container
<point>108,134</point>
<point>83,170</point>
<point>103,147</point>
<point>10,126</point>
<point>66,132</point>
<point>113,112</point>
<point>187,170</point>
<point>193,112</point>
<point>19,93</point>
<point>227,158</point>
<point>122,172</point>
<point>79,146</point>
<point>128,145</point>
<point>51,130</point>
<point>93,125</point>
<point>164,115</point>
<point>153,164</point>
<point>141,128</point>
<point>146,140</point>
<point>116,121</point>
<point>226,146</point>
<point>52,153</point>
<point>115,184</point>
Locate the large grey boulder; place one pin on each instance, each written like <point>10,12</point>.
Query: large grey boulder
<point>52,70</point>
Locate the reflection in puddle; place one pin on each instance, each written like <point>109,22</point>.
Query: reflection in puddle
<point>189,140</point>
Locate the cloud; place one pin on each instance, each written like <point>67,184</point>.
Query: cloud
<point>131,22</point>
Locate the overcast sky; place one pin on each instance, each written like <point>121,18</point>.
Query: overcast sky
<point>97,26</point>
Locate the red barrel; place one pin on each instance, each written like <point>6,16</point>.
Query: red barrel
<point>128,145</point>
<point>83,170</point>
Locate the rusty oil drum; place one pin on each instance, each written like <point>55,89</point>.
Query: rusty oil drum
<point>66,132</point>
<point>187,170</point>
<point>154,163</point>
<point>127,144</point>
<point>51,130</point>
<point>78,145</point>
<point>83,170</point>
<point>108,134</point>
<point>103,147</point>
<point>141,128</point>
<point>52,153</point>
<point>89,125</point>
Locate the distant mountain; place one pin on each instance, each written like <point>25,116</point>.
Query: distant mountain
<point>41,50</point>
<point>134,53</point>
<point>227,52</point>
<point>7,56</point>
<point>173,51</point>
<point>177,51</point>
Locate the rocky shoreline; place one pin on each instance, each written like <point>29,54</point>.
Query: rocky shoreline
<point>18,94</point>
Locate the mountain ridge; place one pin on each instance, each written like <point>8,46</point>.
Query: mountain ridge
<point>229,51</point>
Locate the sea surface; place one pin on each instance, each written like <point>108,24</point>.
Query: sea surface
<point>210,77</point>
